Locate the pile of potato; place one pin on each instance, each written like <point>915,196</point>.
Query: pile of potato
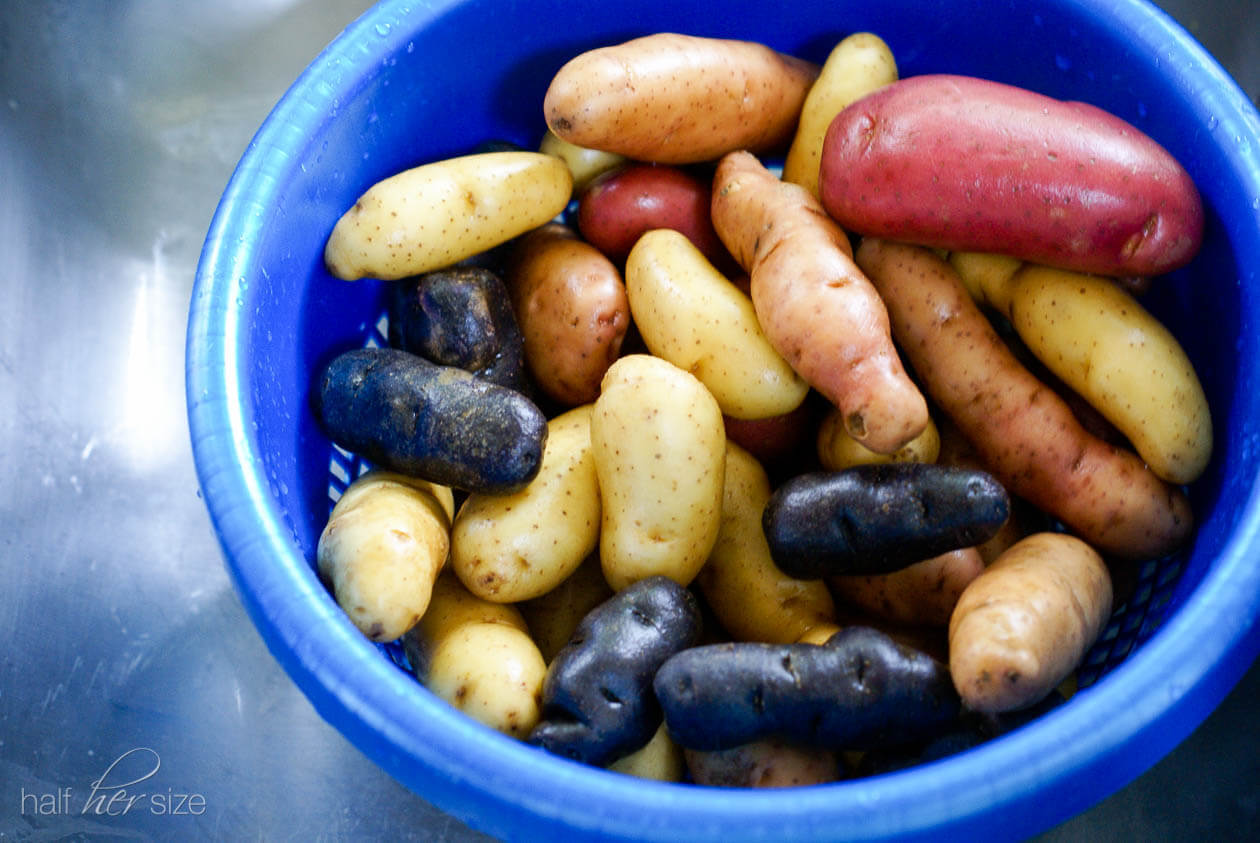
<point>761,480</point>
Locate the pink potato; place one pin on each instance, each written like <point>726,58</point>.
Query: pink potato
<point>955,162</point>
<point>624,204</point>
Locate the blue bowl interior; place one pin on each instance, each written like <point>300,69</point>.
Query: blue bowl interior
<point>411,83</point>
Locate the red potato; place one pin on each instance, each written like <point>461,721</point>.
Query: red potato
<point>1024,433</point>
<point>776,439</point>
<point>815,306</point>
<point>678,99</point>
<point>924,593</point>
<point>620,206</point>
<point>572,309</point>
<point>956,162</point>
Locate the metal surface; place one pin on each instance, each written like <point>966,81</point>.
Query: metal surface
<point>136,699</point>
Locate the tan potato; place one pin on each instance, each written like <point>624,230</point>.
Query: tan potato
<point>479,658</point>
<point>1026,623</point>
<point>689,314</point>
<point>838,450</point>
<point>438,214</point>
<point>659,759</point>
<point>509,548</point>
<point>554,616</point>
<point>584,164</point>
<point>678,99</point>
<point>571,306</point>
<point>816,307</point>
<point>749,595</point>
<point>924,593</point>
<point>858,65</point>
<point>1024,433</point>
<point>384,544</point>
<point>1109,349</point>
<point>660,455</point>
<point>766,763</point>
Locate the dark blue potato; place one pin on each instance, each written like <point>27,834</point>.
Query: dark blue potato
<point>460,317</point>
<point>440,423</point>
<point>876,519</point>
<point>860,690</point>
<point>597,700</point>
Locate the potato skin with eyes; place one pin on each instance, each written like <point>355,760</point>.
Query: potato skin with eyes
<point>435,215</point>
<point>1022,626</point>
<point>678,99</point>
<point>383,546</point>
<point>879,518</point>
<point>660,456</point>
<point>440,423</point>
<point>957,162</point>
<point>858,690</point>
<point>597,702</point>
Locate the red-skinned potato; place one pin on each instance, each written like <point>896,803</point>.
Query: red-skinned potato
<point>622,204</point>
<point>956,162</point>
<point>572,309</point>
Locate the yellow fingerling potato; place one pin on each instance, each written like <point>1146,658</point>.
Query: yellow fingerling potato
<point>689,314</point>
<point>438,214</point>
<point>838,450</point>
<point>859,64</point>
<point>583,163</point>
<point>986,275</point>
<point>1024,624</point>
<point>509,548</point>
<point>478,657</point>
<point>384,544</point>
<point>659,759</point>
<point>752,599</point>
<point>660,455</point>
<point>1102,343</point>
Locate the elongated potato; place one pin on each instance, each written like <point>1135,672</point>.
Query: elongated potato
<point>678,99</point>
<point>435,215</point>
<point>1024,625</point>
<point>584,164</point>
<point>660,455</point>
<point>383,546</point>
<point>858,65</point>
<point>689,314</point>
<point>751,598</point>
<point>838,450</point>
<point>1024,433</point>
<point>478,657</point>
<point>1110,350</point>
<point>923,593</point>
<point>962,163</point>
<point>571,306</point>
<point>509,548</point>
<point>814,304</point>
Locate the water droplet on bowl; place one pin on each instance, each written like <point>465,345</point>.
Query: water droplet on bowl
<point>382,29</point>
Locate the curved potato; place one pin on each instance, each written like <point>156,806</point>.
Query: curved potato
<point>1024,625</point>
<point>1110,350</point>
<point>858,65</point>
<point>678,99</point>
<point>838,450</point>
<point>382,548</point>
<point>689,314</point>
<point>571,306</point>
<point>438,214</point>
<point>752,599</point>
<point>660,455</point>
<point>509,548</point>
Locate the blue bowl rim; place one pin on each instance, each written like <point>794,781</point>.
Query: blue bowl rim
<point>1165,688</point>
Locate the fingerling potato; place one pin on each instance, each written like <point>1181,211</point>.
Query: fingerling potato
<point>689,314</point>
<point>435,215</point>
